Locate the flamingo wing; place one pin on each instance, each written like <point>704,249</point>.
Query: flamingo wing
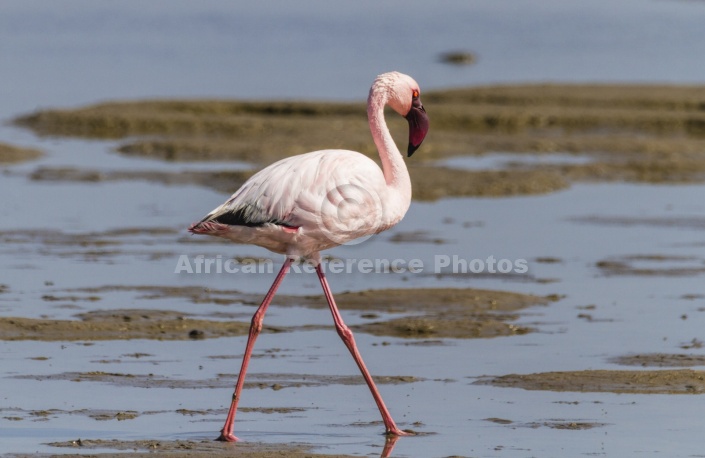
<point>304,191</point>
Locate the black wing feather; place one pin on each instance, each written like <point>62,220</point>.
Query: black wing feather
<point>247,215</point>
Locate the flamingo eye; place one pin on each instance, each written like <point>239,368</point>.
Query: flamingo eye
<point>415,93</point>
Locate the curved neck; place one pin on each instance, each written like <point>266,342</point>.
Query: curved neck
<point>395,172</point>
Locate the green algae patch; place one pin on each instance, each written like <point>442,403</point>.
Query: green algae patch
<point>10,154</point>
<point>631,133</point>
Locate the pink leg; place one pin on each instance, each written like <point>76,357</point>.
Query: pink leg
<point>226,434</point>
<point>346,334</point>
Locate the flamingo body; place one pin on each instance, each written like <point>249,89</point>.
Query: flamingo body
<point>303,204</point>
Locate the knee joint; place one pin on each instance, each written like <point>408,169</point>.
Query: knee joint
<point>256,324</point>
<point>344,332</point>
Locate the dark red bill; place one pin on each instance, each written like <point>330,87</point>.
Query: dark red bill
<point>418,125</point>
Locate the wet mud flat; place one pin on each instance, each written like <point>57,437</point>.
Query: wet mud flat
<point>632,133</point>
<point>196,449</point>
<point>11,154</point>
<point>651,135</point>
<point>683,381</point>
<point>425,313</point>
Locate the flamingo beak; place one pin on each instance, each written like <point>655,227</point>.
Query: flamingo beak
<point>418,125</point>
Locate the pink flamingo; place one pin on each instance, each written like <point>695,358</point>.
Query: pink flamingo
<point>304,204</point>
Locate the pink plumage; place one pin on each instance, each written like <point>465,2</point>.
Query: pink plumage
<point>303,204</point>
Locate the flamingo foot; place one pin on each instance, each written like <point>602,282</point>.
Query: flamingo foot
<point>399,432</point>
<point>227,437</point>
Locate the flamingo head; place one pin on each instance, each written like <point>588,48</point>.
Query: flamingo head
<point>405,99</point>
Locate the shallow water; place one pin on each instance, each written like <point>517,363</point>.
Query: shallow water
<point>502,161</point>
<point>649,310</point>
<point>79,54</point>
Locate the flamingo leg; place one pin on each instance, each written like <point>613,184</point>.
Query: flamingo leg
<point>346,334</point>
<point>226,434</point>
